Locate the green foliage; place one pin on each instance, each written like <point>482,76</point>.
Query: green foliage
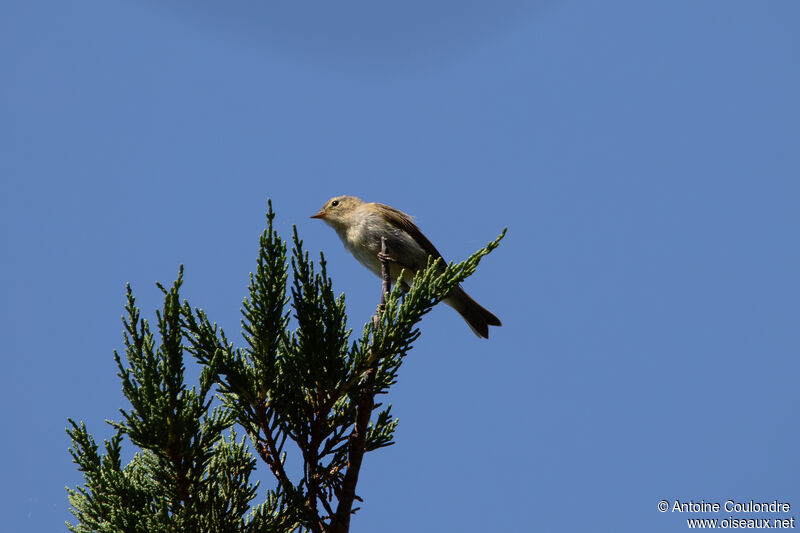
<point>311,386</point>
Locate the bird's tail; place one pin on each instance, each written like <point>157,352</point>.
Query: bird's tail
<point>477,317</point>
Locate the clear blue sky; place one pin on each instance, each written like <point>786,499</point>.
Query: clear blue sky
<point>645,157</point>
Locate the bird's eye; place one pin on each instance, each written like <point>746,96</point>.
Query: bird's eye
<point>334,203</point>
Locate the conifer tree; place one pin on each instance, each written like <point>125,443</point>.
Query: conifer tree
<point>309,392</point>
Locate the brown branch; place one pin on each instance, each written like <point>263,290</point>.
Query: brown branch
<point>269,451</point>
<point>311,458</point>
<point>325,504</point>
<point>340,522</point>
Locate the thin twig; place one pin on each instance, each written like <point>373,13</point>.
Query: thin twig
<point>311,458</point>
<point>325,504</point>
<point>269,451</point>
<point>386,282</point>
<point>340,522</point>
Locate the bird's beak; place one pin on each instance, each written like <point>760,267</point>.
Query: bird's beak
<point>321,214</point>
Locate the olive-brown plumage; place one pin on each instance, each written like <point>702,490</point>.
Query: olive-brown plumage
<point>360,226</point>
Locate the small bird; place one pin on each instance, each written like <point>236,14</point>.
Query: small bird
<point>361,225</point>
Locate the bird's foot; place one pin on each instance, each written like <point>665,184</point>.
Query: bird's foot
<point>385,258</point>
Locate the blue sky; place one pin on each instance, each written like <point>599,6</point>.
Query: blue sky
<point>644,156</point>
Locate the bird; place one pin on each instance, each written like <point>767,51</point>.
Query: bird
<point>360,225</point>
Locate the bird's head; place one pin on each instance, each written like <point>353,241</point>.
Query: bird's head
<point>339,210</point>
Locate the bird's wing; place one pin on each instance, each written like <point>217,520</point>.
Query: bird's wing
<point>402,221</point>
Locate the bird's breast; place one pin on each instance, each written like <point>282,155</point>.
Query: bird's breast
<point>363,240</point>
<point>360,242</point>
